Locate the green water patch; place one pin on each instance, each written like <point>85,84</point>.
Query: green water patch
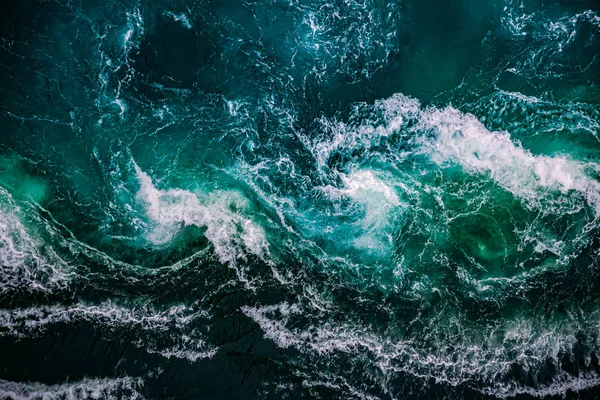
<point>17,176</point>
<point>483,241</point>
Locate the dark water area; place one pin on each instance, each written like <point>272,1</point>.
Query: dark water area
<point>299,199</point>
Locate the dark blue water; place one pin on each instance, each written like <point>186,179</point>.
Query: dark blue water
<point>299,199</point>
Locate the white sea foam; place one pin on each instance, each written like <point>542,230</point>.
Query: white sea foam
<point>482,359</point>
<point>24,261</point>
<point>89,388</point>
<point>391,115</point>
<point>233,235</point>
<point>461,139</point>
<point>377,197</point>
<point>449,137</point>
<point>361,184</point>
<point>337,38</point>
<point>552,35</point>
<point>516,19</point>
<point>181,17</point>
<point>170,332</point>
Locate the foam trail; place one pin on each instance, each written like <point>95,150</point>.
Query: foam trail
<point>170,332</point>
<point>468,361</point>
<point>561,385</point>
<point>88,388</point>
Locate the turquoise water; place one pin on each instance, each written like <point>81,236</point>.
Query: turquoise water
<point>300,199</point>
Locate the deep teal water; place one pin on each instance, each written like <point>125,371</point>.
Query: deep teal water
<point>299,199</point>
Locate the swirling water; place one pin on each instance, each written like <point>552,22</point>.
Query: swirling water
<point>298,199</point>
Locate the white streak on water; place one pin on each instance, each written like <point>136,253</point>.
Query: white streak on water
<point>484,358</point>
<point>88,388</point>
<point>171,332</point>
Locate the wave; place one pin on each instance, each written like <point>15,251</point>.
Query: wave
<point>89,388</point>
<point>483,360</point>
<point>232,235</point>
<point>462,139</point>
<point>400,187</point>
<point>450,137</point>
<point>172,332</point>
<point>453,242</point>
<point>25,261</point>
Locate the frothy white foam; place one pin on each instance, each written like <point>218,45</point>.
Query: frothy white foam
<point>450,137</point>
<point>169,332</point>
<point>24,261</point>
<point>362,184</point>
<point>461,139</point>
<point>377,197</point>
<point>232,235</point>
<point>389,116</point>
<point>88,388</point>
<point>481,359</point>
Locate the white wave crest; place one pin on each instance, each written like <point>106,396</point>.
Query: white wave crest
<point>174,327</point>
<point>89,388</point>
<point>461,139</point>
<point>391,115</point>
<point>450,137</point>
<point>24,261</point>
<point>481,359</point>
<point>232,234</point>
